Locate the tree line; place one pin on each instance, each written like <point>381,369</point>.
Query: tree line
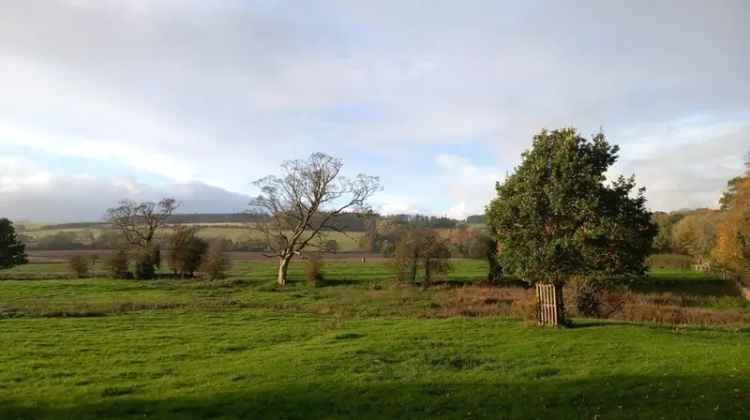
<point>555,218</point>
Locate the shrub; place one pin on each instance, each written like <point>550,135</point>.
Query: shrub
<point>187,251</point>
<point>145,267</point>
<point>215,263</point>
<point>313,269</point>
<point>117,263</point>
<point>79,265</point>
<point>331,246</point>
<point>596,299</point>
<point>147,261</point>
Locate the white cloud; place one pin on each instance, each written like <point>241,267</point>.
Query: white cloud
<point>469,186</point>
<point>221,93</point>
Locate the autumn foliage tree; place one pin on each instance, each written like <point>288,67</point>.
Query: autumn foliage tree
<point>732,249</point>
<point>695,234</point>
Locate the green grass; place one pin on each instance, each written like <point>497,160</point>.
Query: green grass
<point>360,346</point>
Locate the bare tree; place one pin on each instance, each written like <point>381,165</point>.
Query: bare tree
<point>304,202</point>
<point>138,223</point>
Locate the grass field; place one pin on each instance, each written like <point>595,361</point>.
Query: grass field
<point>359,346</point>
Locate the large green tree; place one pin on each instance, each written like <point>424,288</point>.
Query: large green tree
<point>12,250</point>
<point>556,216</point>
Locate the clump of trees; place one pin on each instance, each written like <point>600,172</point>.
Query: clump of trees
<point>695,234</point>
<point>304,201</point>
<point>186,251</point>
<point>137,224</point>
<point>12,250</point>
<point>420,249</point>
<point>557,219</point>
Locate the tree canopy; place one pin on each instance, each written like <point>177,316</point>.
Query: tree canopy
<point>556,217</point>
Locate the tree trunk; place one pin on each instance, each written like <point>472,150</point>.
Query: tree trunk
<point>413,268</point>
<point>283,268</point>
<point>427,273</point>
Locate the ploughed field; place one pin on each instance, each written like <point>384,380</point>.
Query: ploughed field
<point>360,345</point>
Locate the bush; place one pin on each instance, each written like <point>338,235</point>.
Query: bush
<point>79,265</point>
<point>596,299</point>
<point>145,266</point>
<point>313,269</point>
<point>116,264</point>
<point>147,261</point>
<point>215,263</point>
<point>187,251</point>
<point>331,246</point>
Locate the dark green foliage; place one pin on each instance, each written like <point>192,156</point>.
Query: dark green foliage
<point>12,251</point>
<point>421,221</point>
<point>477,219</point>
<point>555,217</point>
<point>495,272</point>
<point>728,196</point>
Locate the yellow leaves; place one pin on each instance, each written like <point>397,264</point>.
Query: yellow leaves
<point>731,250</point>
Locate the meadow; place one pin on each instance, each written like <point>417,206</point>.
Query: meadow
<point>360,345</point>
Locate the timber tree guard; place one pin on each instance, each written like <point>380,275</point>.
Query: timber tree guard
<point>550,305</point>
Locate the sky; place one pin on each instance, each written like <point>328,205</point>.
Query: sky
<point>102,100</point>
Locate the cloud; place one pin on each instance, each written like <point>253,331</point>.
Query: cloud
<point>692,174</point>
<point>469,186</point>
<point>30,193</point>
<point>221,93</point>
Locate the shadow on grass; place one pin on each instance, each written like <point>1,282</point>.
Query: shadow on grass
<point>543,393</point>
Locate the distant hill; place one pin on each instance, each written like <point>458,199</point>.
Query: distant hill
<point>348,221</point>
